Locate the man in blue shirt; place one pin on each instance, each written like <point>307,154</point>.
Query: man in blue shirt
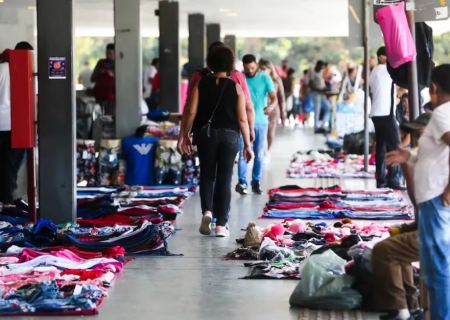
<point>261,86</point>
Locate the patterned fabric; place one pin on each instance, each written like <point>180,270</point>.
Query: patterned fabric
<point>87,165</point>
<point>109,162</point>
<point>191,169</point>
<point>168,164</point>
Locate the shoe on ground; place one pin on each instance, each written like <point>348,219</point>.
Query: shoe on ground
<point>205,226</point>
<point>382,185</point>
<point>256,188</point>
<point>396,186</point>
<point>319,131</point>
<point>222,232</point>
<point>415,315</point>
<point>241,189</point>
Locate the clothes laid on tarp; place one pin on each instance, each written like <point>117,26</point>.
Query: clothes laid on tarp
<point>56,281</point>
<point>335,203</point>
<point>325,165</point>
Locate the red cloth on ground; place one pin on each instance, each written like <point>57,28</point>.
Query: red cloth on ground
<point>84,274</point>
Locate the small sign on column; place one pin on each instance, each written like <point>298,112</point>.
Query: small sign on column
<point>57,68</point>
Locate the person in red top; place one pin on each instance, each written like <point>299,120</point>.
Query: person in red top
<point>156,83</point>
<point>237,77</point>
<point>104,76</point>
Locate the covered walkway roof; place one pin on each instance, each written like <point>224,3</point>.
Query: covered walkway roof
<point>244,18</point>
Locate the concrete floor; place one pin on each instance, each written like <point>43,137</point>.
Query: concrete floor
<point>202,286</point>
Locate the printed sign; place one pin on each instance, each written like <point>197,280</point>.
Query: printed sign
<point>57,68</point>
<point>425,10</point>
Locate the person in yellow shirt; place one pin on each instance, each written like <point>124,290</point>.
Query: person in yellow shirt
<point>395,291</point>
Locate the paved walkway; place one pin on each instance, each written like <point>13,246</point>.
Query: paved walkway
<point>202,286</point>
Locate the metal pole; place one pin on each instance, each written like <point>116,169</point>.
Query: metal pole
<point>413,82</point>
<point>366,83</point>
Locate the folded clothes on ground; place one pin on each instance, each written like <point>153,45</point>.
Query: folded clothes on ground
<point>328,165</point>
<point>335,203</point>
<point>56,281</point>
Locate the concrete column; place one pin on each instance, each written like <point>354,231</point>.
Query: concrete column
<point>127,25</point>
<point>169,55</point>
<point>56,111</point>
<point>197,42</point>
<point>212,33</point>
<point>230,41</point>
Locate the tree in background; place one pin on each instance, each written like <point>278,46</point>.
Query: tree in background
<point>300,52</point>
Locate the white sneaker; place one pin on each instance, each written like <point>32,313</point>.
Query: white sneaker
<point>222,232</point>
<point>267,158</point>
<point>205,226</point>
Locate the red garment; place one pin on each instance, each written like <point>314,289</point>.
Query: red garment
<point>105,85</point>
<point>156,84</point>
<point>107,221</point>
<point>84,274</point>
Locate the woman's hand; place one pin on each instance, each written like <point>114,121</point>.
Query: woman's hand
<point>268,110</point>
<point>248,154</point>
<point>446,197</point>
<point>184,146</point>
<point>396,157</point>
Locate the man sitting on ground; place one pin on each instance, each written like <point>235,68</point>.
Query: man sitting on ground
<point>391,258</point>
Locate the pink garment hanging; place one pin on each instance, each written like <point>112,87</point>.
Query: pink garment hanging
<point>400,45</point>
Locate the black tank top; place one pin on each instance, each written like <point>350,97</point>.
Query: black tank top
<point>225,116</point>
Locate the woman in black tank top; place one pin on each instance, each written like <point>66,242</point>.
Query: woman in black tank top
<point>215,115</point>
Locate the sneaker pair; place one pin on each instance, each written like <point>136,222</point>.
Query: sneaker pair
<point>242,189</point>
<point>205,227</point>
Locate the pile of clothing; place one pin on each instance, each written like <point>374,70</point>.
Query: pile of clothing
<point>335,203</point>
<point>315,164</point>
<point>280,248</point>
<point>56,281</point>
<point>129,206</point>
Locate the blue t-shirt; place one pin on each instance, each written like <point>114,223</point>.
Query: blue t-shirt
<point>139,154</point>
<point>260,86</point>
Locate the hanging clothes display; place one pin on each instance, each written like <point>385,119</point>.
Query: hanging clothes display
<point>109,162</point>
<point>87,162</point>
<point>139,153</point>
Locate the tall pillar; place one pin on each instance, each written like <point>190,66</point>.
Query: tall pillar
<point>127,26</point>
<point>56,111</point>
<point>230,41</point>
<point>212,33</point>
<point>196,42</point>
<point>169,55</point>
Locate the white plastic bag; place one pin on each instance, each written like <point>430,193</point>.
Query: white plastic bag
<point>325,285</point>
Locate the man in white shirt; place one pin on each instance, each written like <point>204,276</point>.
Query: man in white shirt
<point>149,73</point>
<point>432,193</point>
<point>382,113</point>
<point>10,158</point>
<point>84,78</point>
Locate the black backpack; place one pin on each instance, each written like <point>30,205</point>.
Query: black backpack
<point>425,64</point>
<point>204,72</point>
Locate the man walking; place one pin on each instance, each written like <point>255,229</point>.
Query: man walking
<point>261,86</point>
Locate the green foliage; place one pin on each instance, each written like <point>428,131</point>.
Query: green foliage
<point>300,52</point>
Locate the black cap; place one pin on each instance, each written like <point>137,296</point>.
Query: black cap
<point>381,52</point>
<point>419,123</point>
